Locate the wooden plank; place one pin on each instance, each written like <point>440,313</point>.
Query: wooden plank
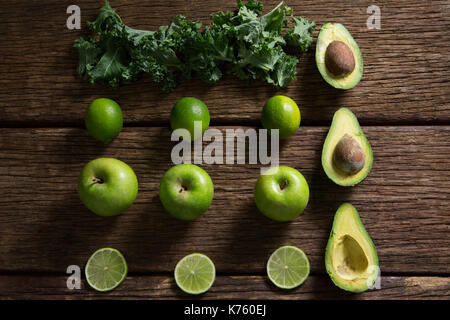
<point>404,203</point>
<point>405,81</point>
<point>225,287</point>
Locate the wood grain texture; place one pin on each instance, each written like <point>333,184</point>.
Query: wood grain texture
<point>404,203</point>
<point>406,77</point>
<point>225,287</point>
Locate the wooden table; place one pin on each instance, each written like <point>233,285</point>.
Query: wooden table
<point>402,103</point>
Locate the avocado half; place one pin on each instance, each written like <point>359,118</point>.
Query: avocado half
<point>345,123</point>
<point>351,259</point>
<point>337,32</point>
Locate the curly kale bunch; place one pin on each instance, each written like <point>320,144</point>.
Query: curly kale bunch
<point>251,44</point>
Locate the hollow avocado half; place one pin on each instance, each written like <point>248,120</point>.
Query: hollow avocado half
<point>345,124</point>
<point>351,259</point>
<point>336,32</point>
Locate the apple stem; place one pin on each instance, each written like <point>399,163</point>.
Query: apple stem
<point>97,180</point>
<point>284,184</point>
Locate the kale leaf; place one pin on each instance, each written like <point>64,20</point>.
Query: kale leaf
<point>251,44</point>
<point>300,35</point>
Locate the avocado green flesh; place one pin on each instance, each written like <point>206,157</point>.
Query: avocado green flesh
<point>351,258</point>
<point>345,122</point>
<point>337,32</point>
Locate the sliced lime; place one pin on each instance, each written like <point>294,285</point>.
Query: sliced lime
<point>195,273</point>
<point>288,267</point>
<point>106,269</point>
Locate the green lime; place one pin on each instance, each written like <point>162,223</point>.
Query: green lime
<point>288,267</point>
<point>186,112</point>
<point>104,119</point>
<point>195,273</point>
<point>281,112</point>
<point>106,269</point>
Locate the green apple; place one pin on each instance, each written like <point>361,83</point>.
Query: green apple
<point>186,191</point>
<point>281,193</point>
<point>107,186</point>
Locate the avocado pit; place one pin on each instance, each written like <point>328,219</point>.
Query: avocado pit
<point>339,59</point>
<point>348,156</point>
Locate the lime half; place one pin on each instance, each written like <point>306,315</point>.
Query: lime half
<point>288,267</point>
<point>195,273</point>
<point>106,269</point>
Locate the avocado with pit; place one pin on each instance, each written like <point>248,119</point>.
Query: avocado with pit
<point>351,259</point>
<point>346,155</point>
<point>338,57</point>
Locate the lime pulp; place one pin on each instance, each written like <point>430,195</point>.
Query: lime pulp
<point>195,273</point>
<point>288,267</point>
<point>106,269</point>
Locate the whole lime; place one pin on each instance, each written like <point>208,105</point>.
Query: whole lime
<point>104,119</point>
<point>188,112</point>
<point>281,112</point>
